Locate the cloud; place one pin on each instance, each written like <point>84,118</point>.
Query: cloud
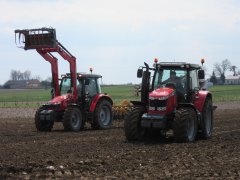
<point>134,12</point>
<point>121,34</point>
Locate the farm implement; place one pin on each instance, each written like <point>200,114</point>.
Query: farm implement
<point>174,100</point>
<point>77,99</point>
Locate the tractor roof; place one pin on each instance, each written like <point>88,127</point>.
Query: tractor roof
<point>180,65</point>
<point>84,75</point>
<point>88,75</point>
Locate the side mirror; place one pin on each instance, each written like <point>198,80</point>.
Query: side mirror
<point>140,73</point>
<point>201,74</point>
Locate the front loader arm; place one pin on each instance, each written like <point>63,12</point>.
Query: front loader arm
<point>44,41</point>
<point>54,67</point>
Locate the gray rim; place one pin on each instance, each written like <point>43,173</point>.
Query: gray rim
<point>75,120</point>
<point>190,129</point>
<point>105,115</point>
<point>208,121</point>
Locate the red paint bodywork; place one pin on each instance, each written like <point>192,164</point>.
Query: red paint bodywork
<point>46,54</point>
<point>63,100</point>
<point>164,93</point>
<point>199,99</point>
<point>96,100</point>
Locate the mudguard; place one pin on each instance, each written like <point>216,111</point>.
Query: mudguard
<point>200,98</point>
<point>96,99</point>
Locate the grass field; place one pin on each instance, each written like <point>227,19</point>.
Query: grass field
<point>225,93</point>
<point>31,98</point>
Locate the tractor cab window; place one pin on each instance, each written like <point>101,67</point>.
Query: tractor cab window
<point>170,77</point>
<point>194,80</point>
<point>91,86</point>
<point>65,85</point>
<point>79,87</point>
<point>98,86</point>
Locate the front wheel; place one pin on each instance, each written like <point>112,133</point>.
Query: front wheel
<point>102,118</point>
<point>185,125</point>
<point>132,124</point>
<point>41,124</point>
<point>72,119</point>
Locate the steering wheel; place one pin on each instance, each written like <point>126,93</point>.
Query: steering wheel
<point>171,85</point>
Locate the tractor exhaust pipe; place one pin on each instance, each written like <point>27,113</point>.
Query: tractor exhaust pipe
<point>145,85</point>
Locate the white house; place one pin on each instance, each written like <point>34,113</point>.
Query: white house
<point>232,80</point>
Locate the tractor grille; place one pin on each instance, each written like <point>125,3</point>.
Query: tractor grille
<point>157,105</point>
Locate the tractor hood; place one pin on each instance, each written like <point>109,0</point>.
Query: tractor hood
<point>161,93</point>
<point>162,101</point>
<point>62,100</point>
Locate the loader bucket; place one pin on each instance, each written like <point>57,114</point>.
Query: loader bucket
<point>36,38</point>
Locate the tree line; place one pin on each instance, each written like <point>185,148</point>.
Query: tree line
<point>17,75</point>
<point>220,70</point>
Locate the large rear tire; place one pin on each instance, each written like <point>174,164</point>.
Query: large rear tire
<point>206,123</point>
<point>102,118</point>
<point>185,125</point>
<point>132,124</point>
<point>72,119</point>
<point>42,125</point>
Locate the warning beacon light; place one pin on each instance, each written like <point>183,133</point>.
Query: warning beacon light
<point>202,61</point>
<point>91,69</point>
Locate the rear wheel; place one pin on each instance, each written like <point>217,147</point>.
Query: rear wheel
<point>42,125</point>
<point>132,124</point>
<point>102,115</point>
<point>185,125</point>
<point>72,119</point>
<point>207,120</point>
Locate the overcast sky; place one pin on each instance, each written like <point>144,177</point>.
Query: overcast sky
<point>115,37</point>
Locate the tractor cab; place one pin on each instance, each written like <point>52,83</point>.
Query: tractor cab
<point>182,77</point>
<point>88,86</point>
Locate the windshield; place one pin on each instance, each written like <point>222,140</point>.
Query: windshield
<point>170,78</point>
<point>65,85</point>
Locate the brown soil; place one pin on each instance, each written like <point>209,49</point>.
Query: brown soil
<point>105,154</point>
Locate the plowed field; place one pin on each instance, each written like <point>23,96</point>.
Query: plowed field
<point>105,154</point>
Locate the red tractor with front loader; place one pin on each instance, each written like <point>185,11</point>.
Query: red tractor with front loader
<point>76,97</point>
<point>174,99</point>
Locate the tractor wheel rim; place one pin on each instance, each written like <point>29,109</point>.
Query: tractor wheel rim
<point>208,121</point>
<point>105,115</point>
<point>75,120</point>
<point>190,129</point>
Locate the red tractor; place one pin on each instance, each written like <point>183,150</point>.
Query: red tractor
<point>77,99</point>
<point>175,100</point>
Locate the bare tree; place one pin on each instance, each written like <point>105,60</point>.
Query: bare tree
<point>234,70</point>
<point>27,75</point>
<point>13,75</point>
<point>221,68</point>
<point>19,75</point>
<point>37,78</point>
